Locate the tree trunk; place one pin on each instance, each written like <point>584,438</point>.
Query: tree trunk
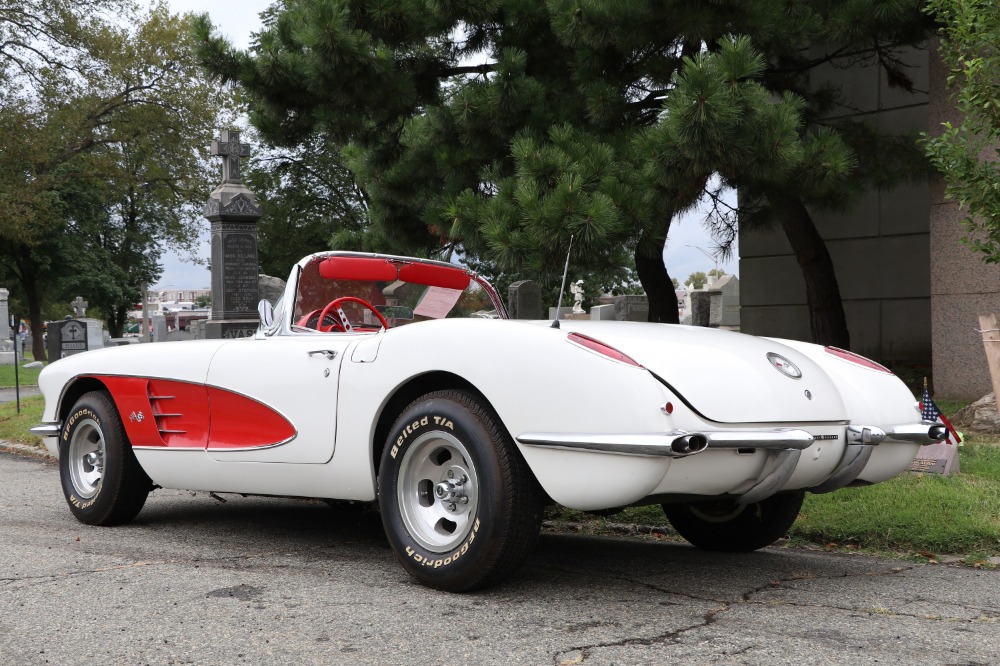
<point>35,316</point>
<point>826,309</point>
<point>658,286</point>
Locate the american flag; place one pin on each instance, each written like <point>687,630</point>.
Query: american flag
<point>930,412</point>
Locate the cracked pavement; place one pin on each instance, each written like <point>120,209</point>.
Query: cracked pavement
<point>275,581</point>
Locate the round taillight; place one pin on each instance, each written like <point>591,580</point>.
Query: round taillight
<point>669,408</point>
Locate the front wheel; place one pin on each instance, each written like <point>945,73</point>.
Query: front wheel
<point>101,479</point>
<point>460,507</point>
<point>726,526</point>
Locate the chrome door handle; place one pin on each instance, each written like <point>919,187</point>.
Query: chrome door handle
<point>329,353</point>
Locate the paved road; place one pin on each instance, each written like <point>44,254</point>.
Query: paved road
<point>268,581</point>
<point>10,394</point>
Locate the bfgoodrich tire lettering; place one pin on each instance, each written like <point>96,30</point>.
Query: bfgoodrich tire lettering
<point>460,507</point>
<point>726,526</point>
<point>101,478</point>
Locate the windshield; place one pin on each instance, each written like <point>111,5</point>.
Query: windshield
<point>367,290</point>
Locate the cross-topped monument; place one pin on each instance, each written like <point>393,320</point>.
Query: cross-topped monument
<point>233,211</point>
<point>228,146</point>
<point>80,307</point>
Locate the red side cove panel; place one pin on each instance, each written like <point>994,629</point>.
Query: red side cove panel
<point>166,413</point>
<point>160,412</point>
<point>239,422</point>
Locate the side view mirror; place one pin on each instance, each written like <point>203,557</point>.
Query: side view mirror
<point>266,313</point>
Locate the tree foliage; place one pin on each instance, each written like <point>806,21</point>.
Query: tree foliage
<point>966,153</point>
<point>100,164</point>
<point>504,128</point>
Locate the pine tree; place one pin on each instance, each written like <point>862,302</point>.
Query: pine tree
<point>503,128</point>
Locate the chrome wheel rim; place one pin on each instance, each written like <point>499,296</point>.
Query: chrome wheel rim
<point>437,491</point>
<point>86,458</point>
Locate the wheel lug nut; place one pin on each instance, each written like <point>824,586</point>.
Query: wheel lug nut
<point>452,506</point>
<point>451,474</point>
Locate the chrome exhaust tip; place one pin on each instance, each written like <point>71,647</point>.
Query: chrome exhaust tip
<point>937,433</point>
<point>687,445</point>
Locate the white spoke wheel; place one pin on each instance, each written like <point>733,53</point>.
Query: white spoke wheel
<point>723,525</point>
<point>101,478</point>
<point>460,507</point>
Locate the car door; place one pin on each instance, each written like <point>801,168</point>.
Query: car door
<point>274,399</point>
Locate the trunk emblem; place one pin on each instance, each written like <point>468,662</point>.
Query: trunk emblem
<point>784,366</point>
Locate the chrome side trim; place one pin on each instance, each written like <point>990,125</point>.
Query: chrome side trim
<point>46,429</point>
<point>780,438</point>
<point>656,445</point>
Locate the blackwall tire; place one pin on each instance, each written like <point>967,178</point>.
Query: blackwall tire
<point>101,478</point>
<point>460,507</point>
<point>723,525</point>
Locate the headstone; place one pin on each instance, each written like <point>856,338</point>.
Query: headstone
<point>233,212</point>
<point>632,308</point>
<point>700,308</point>
<point>80,307</point>
<point>726,312</point>
<point>271,288</point>
<point>560,313</point>
<point>603,312</point>
<point>159,325</point>
<point>68,337</point>
<point>4,316</point>
<point>936,459</point>
<point>524,300</point>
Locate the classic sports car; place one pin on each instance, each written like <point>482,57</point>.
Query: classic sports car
<point>401,381</point>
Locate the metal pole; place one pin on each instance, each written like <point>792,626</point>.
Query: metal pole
<point>17,377</point>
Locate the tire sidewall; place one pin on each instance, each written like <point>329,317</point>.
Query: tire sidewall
<point>92,510</point>
<point>459,567</point>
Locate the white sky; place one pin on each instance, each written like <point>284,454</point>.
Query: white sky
<point>236,19</point>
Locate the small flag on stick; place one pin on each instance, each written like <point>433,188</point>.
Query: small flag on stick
<point>930,412</point>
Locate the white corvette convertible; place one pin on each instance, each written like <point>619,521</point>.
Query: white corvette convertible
<point>401,381</point>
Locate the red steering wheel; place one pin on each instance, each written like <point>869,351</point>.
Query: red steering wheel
<point>340,321</point>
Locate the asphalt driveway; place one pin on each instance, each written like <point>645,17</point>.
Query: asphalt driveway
<point>274,581</point>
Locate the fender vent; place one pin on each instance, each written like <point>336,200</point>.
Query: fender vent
<point>162,414</point>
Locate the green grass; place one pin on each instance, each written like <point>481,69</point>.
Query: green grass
<point>14,426</point>
<point>26,376</point>
<point>925,514</point>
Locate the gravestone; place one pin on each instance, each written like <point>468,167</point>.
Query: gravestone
<point>80,307</point>
<point>701,304</point>
<point>725,303</point>
<point>159,325</point>
<point>632,308</point>
<point>560,313</point>
<point>5,343</point>
<point>524,300</point>
<point>603,312</point>
<point>936,459</point>
<point>233,212</point>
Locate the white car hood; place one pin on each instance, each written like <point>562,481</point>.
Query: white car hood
<point>726,377</point>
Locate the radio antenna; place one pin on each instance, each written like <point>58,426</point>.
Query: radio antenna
<point>555,322</point>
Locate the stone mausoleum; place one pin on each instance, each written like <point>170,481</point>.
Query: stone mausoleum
<point>912,291</point>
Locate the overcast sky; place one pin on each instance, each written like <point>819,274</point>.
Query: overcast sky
<point>237,19</point>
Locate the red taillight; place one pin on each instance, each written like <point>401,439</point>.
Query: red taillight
<point>857,358</point>
<point>601,348</point>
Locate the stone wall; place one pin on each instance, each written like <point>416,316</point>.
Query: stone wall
<point>961,286</point>
<point>880,249</point>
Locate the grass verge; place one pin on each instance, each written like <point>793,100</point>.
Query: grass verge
<point>14,426</point>
<point>26,376</point>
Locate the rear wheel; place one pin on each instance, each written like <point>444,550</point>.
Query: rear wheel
<point>101,478</point>
<point>724,525</point>
<point>460,507</point>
